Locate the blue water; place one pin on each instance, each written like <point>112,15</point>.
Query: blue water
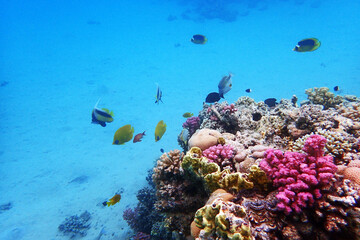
<point>57,58</point>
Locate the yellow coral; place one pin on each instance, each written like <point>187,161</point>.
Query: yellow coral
<point>225,219</point>
<point>212,176</point>
<point>258,177</point>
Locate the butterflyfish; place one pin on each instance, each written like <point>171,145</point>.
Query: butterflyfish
<point>225,85</point>
<point>158,95</point>
<point>184,136</point>
<point>112,201</point>
<point>307,45</point>
<point>160,130</point>
<point>188,114</point>
<point>101,116</point>
<point>123,135</point>
<point>199,39</point>
<point>138,137</point>
<point>212,97</point>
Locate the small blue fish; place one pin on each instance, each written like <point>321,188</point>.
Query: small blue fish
<point>225,85</point>
<point>162,150</point>
<point>158,95</point>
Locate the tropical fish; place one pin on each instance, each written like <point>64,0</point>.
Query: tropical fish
<point>225,85</point>
<point>199,39</point>
<point>158,95</point>
<point>271,102</point>
<point>307,45</point>
<point>212,97</point>
<point>184,135</point>
<point>336,88</point>
<point>162,150</point>
<point>188,114</point>
<point>101,116</point>
<point>138,137</point>
<point>112,201</point>
<point>160,130</point>
<point>248,90</point>
<point>123,135</point>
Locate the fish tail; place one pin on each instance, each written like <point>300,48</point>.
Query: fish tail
<point>108,204</point>
<point>144,133</point>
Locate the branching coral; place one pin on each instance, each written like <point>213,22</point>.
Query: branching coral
<point>299,177</point>
<point>337,144</point>
<point>323,97</point>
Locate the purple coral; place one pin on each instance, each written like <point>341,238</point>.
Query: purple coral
<point>228,109</point>
<point>218,153</point>
<point>192,124</point>
<point>299,177</point>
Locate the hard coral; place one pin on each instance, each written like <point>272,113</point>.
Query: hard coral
<point>192,124</point>
<point>76,226</point>
<point>299,177</point>
<point>322,96</point>
<point>223,155</point>
<point>204,138</point>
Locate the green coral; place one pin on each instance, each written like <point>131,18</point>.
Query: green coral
<point>224,219</point>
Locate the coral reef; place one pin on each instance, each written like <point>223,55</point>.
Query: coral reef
<point>299,177</point>
<point>177,196</point>
<point>322,96</point>
<point>192,124</point>
<point>251,171</point>
<point>76,226</point>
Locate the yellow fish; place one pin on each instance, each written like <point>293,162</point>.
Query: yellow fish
<point>188,114</point>
<point>160,130</point>
<point>115,199</point>
<point>123,135</point>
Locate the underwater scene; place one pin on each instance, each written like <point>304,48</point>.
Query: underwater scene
<point>179,119</point>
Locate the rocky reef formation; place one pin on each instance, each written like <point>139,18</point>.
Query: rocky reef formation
<point>250,171</point>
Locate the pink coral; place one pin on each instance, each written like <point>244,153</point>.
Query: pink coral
<point>218,153</point>
<point>299,177</point>
<point>192,124</point>
<point>228,109</point>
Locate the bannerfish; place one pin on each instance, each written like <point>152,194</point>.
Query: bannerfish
<point>248,90</point>
<point>160,130</point>
<point>271,102</point>
<point>138,137</point>
<point>112,201</point>
<point>225,85</point>
<point>101,116</point>
<point>123,135</point>
<point>158,95</point>
<point>212,97</point>
<point>188,114</point>
<point>199,39</point>
<point>307,45</point>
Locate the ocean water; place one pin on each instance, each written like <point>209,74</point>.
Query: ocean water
<point>57,58</point>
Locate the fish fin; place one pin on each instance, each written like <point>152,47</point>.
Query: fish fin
<point>97,103</point>
<point>108,204</point>
<point>221,95</point>
<point>144,133</point>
